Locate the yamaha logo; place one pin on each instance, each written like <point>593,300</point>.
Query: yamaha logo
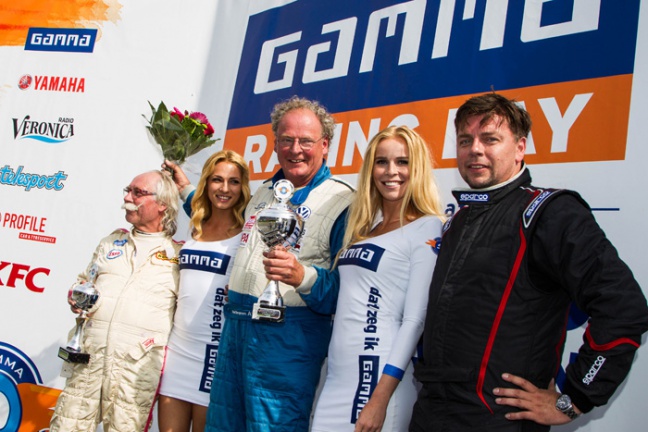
<point>67,84</point>
<point>24,82</point>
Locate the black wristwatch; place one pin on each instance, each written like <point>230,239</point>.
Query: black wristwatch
<point>565,406</point>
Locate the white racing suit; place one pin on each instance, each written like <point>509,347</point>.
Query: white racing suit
<point>125,335</point>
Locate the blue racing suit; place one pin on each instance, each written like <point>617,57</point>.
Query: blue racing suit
<point>267,373</point>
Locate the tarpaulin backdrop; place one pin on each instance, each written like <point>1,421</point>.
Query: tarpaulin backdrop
<point>76,77</point>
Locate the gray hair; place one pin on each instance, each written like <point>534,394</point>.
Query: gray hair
<point>167,194</point>
<point>295,102</point>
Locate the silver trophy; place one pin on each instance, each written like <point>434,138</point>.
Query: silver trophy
<point>278,225</point>
<point>85,296</point>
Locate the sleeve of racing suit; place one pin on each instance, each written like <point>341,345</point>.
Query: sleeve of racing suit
<point>570,246</point>
<point>187,201</point>
<point>322,295</point>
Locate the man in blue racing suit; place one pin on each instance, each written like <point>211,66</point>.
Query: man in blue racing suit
<point>267,372</point>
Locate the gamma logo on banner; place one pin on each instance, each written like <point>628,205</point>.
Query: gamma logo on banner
<point>414,62</point>
<point>60,39</point>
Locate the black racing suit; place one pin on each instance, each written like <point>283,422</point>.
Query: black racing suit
<point>512,259</point>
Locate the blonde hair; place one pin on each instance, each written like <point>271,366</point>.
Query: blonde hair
<point>421,197</point>
<point>201,206</point>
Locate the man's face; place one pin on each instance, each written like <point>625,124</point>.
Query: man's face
<point>490,154</point>
<point>300,165</point>
<point>149,213</point>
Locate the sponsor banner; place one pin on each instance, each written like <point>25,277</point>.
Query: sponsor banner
<point>562,116</point>
<point>29,181</point>
<point>70,13</point>
<point>52,83</point>
<point>342,52</point>
<point>26,405</point>
<point>29,227</point>
<point>60,39</point>
<point>50,132</point>
<point>17,275</point>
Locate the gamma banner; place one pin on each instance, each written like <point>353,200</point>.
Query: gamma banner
<point>414,62</point>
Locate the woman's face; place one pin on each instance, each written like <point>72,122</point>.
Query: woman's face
<point>224,186</point>
<point>391,169</point>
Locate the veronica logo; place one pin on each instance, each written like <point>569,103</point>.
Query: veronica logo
<point>48,132</point>
<point>60,39</point>
<point>366,255</point>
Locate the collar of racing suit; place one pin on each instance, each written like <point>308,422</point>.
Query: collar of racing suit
<point>492,194</point>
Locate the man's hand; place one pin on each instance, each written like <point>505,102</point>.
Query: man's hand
<point>535,404</point>
<point>179,177</point>
<point>280,265</point>
<point>72,303</point>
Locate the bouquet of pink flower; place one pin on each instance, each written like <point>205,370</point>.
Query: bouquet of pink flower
<point>180,134</point>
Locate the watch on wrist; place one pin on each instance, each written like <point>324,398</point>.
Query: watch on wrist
<point>565,406</point>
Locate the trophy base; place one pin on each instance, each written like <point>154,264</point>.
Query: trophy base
<point>72,356</point>
<point>266,312</point>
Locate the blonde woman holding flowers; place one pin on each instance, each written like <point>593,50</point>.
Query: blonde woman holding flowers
<point>221,196</point>
<point>390,248</point>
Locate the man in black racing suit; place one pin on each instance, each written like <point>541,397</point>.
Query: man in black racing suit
<point>512,260</point>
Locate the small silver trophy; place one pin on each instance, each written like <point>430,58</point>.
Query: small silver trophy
<point>278,225</point>
<point>85,296</point>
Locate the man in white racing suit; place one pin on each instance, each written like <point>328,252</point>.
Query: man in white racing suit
<point>127,330</point>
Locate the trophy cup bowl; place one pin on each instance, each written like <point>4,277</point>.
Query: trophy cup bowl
<point>85,296</point>
<point>278,226</point>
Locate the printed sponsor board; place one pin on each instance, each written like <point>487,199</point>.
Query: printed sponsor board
<point>29,227</point>
<point>61,39</point>
<point>27,405</point>
<point>437,54</point>
<point>52,83</point>
<point>50,132</point>
<point>29,181</point>
<point>14,275</point>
